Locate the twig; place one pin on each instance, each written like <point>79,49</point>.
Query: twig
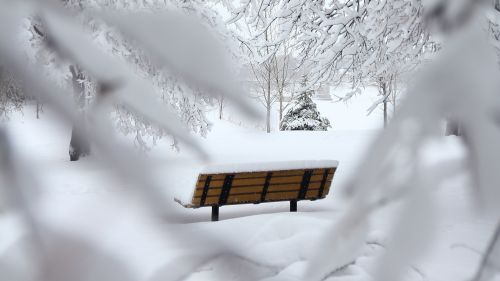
<point>486,258</point>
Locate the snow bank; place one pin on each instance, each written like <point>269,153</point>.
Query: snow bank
<point>272,242</point>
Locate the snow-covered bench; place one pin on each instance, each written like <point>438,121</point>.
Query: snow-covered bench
<point>259,183</point>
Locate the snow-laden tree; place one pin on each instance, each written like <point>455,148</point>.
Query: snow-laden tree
<point>303,115</point>
<point>461,82</point>
<point>188,101</point>
<point>365,43</point>
<point>261,58</point>
<point>269,55</point>
<point>11,95</point>
<point>190,55</point>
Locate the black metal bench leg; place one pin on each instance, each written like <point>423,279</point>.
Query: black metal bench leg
<point>293,205</point>
<point>215,213</point>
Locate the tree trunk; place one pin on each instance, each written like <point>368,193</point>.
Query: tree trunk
<point>394,106</point>
<point>452,128</point>
<point>394,95</point>
<point>78,145</point>
<point>385,113</point>
<point>268,118</point>
<point>384,93</point>
<point>281,106</point>
<point>74,149</point>
<point>221,107</point>
<point>268,103</point>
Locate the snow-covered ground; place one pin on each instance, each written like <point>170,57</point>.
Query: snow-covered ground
<point>81,199</point>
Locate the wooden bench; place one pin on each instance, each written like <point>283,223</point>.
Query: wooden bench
<point>254,187</point>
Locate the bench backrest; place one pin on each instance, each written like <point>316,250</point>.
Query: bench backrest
<point>256,187</point>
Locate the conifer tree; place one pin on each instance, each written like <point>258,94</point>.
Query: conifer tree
<point>304,115</point>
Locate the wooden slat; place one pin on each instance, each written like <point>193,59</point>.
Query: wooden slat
<point>213,182</point>
<point>239,182</point>
<point>318,172</point>
<point>253,189</point>
<point>294,185</point>
<point>212,201</point>
<point>202,178</point>
<point>233,199</point>
<point>314,185</point>
<point>280,187</point>
<point>294,179</point>
<point>289,179</point>
<point>312,193</point>
<point>198,192</point>
<point>282,195</point>
<point>292,174</point>
<point>250,175</point>
<point>246,182</point>
<point>297,172</point>
<point>318,177</point>
<point>236,175</point>
<point>216,183</point>
<point>196,201</point>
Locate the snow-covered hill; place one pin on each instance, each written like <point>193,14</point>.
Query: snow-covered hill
<point>115,231</point>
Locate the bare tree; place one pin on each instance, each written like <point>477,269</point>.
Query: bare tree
<point>263,75</point>
<point>284,78</point>
<point>270,58</point>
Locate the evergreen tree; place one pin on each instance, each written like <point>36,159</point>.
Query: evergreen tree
<point>304,115</point>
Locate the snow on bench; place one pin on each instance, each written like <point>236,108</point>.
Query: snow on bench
<point>254,183</point>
